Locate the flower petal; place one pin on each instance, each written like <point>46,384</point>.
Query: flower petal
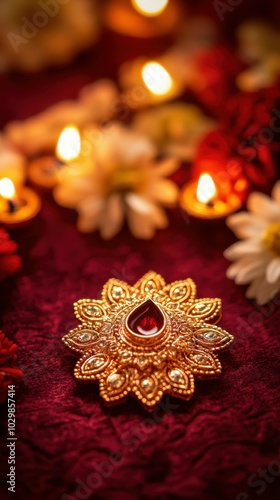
<point>112,217</point>
<point>166,167</point>
<point>251,270</point>
<point>143,225</point>
<point>159,217</point>
<point>163,191</point>
<point>261,290</point>
<point>252,290</point>
<point>266,291</point>
<point>140,149</point>
<point>244,248</point>
<point>138,203</point>
<point>276,192</point>
<point>273,270</point>
<point>70,193</point>
<point>89,214</point>
<point>235,267</point>
<point>245,225</point>
<point>264,207</point>
<point>247,268</point>
<point>98,97</point>
<point>140,225</point>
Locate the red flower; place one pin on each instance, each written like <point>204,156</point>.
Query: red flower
<point>9,263</point>
<point>215,71</point>
<point>8,372</point>
<point>243,148</point>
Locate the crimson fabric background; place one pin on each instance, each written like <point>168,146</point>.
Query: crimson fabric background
<point>206,449</point>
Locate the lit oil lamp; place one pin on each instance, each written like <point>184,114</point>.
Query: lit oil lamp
<point>44,171</point>
<point>12,163</point>
<point>159,81</point>
<point>148,8</point>
<point>204,199</point>
<point>142,18</point>
<point>17,207</point>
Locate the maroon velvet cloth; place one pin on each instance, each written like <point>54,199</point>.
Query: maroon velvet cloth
<point>202,449</point>
<point>215,446</point>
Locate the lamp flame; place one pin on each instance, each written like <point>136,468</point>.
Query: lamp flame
<point>156,78</point>
<point>7,189</point>
<point>150,7</point>
<point>206,189</point>
<point>69,144</point>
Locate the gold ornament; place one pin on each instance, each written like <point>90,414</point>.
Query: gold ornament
<point>147,340</point>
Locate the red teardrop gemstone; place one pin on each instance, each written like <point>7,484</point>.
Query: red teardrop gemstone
<point>146,320</point>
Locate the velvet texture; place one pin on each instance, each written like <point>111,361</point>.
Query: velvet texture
<point>204,449</point>
<point>69,444</point>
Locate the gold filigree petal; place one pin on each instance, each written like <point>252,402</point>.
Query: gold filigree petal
<point>181,380</point>
<point>212,338</point>
<point>149,388</point>
<point>81,339</point>
<point>92,366</point>
<point>209,310</point>
<point>203,363</point>
<point>90,311</point>
<point>150,283</point>
<point>116,291</point>
<point>183,291</point>
<point>115,386</point>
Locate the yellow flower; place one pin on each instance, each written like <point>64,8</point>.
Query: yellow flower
<point>176,129</point>
<point>147,340</point>
<point>37,34</point>
<point>259,46</point>
<point>125,182</point>
<point>257,258</point>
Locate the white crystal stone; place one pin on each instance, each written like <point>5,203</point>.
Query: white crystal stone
<point>175,375</point>
<point>115,380</point>
<point>85,337</point>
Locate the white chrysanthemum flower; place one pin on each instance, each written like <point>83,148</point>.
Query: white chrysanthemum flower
<point>256,259</point>
<point>124,181</point>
